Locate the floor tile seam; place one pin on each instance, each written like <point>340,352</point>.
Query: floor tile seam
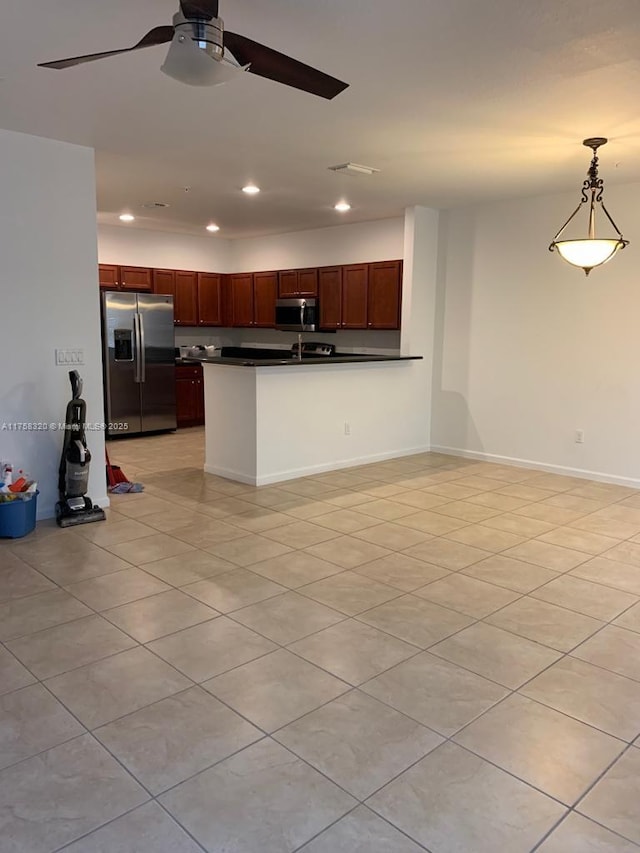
<point>68,845</point>
<point>610,621</point>
<point>293,651</point>
<point>585,794</point>
<point>335,822</point>
<point>400,594</point>
<point>513,633</point>
<point>220,761</point>
<point>577,719</point>
<point>607,586</point>
<point>600,666</point>
<point>446,741</point>
<point>564,607</point>
<point>363,800</point>
<point>573,811</point>
<point>520,596</point>
<point>263,736</point>
<point>230,615</point>
<point>42,680</point>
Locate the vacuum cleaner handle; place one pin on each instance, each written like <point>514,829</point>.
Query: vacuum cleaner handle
<point>76,384</point>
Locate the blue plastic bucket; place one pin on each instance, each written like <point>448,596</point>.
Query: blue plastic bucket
<point>18,517</point>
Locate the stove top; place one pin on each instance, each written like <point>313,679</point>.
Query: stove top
<point>314,349</point>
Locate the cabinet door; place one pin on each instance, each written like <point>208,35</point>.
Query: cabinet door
<point>164,282</point>
<point>209,299</point>
<point>354,296</point>
<point>242,299</point>
<point>383,310</point>
<point>308,282</point>
<point>108,277</point>
<point>287,283</point>
<point>185,302</point>
<point>265,291</point>
<point>330,297</point>
<point>136,278</point>
<point>186,400</point>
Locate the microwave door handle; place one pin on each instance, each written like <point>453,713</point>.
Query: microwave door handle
<point>303,305</point>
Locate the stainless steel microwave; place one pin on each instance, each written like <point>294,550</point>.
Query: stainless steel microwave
<point>297,315</point>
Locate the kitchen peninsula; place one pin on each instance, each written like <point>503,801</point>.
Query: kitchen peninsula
<point>278,419</point>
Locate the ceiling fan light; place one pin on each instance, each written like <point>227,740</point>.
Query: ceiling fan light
<point>188,63</point>
<point>588,254</point>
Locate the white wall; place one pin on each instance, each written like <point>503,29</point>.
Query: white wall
<point>49,300</point>
<point>528,349</point>
<point>343,244</point>
<point>288,422</point>
<point>140,248</point>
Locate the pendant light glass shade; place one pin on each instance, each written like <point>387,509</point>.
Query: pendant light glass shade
<point>588,254</point>
<point>590,251</point>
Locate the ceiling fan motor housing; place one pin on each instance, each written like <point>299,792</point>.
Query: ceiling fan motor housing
<point>206,35</point>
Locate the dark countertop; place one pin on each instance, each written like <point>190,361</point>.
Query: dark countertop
<point>306,361</point>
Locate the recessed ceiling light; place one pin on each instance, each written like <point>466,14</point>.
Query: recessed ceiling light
<point>213,227</point>
<point>127,217</point>
<point>251,189</point>
<point>342,206</point>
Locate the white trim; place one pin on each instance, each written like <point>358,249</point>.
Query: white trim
<point>295,474</point>
<point>599,476</point>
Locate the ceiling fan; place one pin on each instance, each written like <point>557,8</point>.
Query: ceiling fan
<point>200,48</point>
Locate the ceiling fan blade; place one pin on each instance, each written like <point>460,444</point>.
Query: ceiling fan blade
<point>159,35</point>
<point>266,62</point>
<point>205,9</point>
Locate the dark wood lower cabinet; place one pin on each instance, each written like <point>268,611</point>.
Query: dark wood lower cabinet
<point>189,396</point>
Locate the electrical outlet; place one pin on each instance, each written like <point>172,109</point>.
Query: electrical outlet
<point>347,428</point>
<point>579,436</point>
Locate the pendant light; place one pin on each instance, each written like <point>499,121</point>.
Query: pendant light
<point>590,251</point>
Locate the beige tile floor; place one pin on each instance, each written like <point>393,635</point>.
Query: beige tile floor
<point>427,653</point>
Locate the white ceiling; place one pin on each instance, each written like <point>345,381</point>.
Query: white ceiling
<point>453,100</point>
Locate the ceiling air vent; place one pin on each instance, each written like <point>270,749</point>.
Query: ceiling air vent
<point>155,205</point>
<point>353,169</point>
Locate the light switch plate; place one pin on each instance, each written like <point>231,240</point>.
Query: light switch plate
<point>66,357</point>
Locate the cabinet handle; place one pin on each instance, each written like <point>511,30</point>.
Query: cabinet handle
<point>370,324</point>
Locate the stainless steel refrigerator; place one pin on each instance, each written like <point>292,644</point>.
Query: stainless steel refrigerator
<point>139,363</point>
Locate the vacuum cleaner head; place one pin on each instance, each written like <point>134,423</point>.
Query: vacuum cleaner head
<point>78,511</point>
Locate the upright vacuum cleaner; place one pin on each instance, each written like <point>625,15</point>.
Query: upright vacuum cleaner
<point>74,507</point>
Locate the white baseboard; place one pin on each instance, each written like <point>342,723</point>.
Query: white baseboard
<point>582,473</point>
<point>296,473</point>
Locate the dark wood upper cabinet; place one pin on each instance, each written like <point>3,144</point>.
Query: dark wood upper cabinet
<point>109,276</point>
<point>136,278</point>
<point>357,296</point>
<point>385,285</point>
<point>330,297</point>
<point>308,282</point>
<point>265,291</point>
<point>241,297</point>
<point>185,303</point>
<point>287,283</point>
<point>164,282</point>
<point>355,279</point>
<point>293,283</point>
<point>209,299</point>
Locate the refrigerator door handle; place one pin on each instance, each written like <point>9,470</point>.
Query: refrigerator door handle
<point>136,347</point>
<point>143,353</point>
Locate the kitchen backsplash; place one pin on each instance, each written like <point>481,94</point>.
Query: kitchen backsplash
<point>351,340</point>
